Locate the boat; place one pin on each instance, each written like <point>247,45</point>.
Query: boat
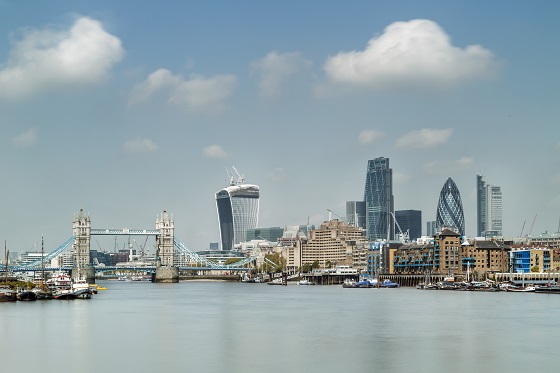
<point>389,284</point>
<point>548,289</point>
<point>26,295</point>
<point>348,283</point>
<point>305,282</point>
<point>64,295</point>
<point>7,295</point>
<point>83,293</point>
<point>61,281</point>
<point>526,289</point>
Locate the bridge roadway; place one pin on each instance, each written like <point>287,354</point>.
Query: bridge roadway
<point>121,268</point>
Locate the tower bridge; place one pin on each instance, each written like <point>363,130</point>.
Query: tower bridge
<point>168,246</point>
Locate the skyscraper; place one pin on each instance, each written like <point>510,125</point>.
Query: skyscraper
<point>356,213</point>
<point>450,208</point>
<point>488,208</point>
<point>411,221</point>
<point>378,197</point>
<point>238,211</point>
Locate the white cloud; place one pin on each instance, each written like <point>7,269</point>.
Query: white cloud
<point>26,139</point>
<point>424,138</point>
<point>278,174</point>
<point>368,137</point>
<point>413,53</point>
<point>446,166</point>
<point>140,146</point>
<point>215,151</point>
<point>45,60</point>
<point>194,94</point>
<point>275,68</point>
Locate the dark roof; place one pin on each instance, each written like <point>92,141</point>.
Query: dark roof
<point>486,245</point>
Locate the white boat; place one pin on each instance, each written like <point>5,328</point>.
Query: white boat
<point>304,282</point>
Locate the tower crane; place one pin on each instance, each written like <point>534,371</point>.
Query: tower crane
<point>404,237</point>
<point>335,214</point>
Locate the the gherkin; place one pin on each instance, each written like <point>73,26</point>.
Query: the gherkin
<point>450,208</point>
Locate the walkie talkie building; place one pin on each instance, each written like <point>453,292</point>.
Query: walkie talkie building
<point>450,208</point>
<point>238,211</point>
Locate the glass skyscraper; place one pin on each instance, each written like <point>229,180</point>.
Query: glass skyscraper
<point>356,213</point>
<point>378,197</point>
<point>450,208</point>
<point>488,208</point>
<point>411,221</point>
<point>238,211</point>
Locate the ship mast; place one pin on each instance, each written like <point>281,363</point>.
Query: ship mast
<point>42,260</point>
<point>6,257</point>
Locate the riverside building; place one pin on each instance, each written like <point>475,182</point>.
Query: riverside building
<point>333,243</point>
<point>448,254</point>
<point>238,211</point>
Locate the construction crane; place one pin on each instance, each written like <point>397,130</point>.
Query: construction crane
<point>403,237</point>
<point>335,214</point>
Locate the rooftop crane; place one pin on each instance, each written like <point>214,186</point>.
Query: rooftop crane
<point>332,212</point>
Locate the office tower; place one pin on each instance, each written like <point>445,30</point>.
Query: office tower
<point>238,211</point>
<point>488,208</point>
<point>271,234</point>
<point>411,221</point>
<point>431,228</point>
<point>379,200</point>
<point>356,213</point>
<point>450,209</point>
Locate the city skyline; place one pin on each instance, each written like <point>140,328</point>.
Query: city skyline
<point>126,109</point>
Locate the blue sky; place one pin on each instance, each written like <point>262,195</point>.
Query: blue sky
<point>126,108</point>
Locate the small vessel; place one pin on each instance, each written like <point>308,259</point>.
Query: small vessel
<point>26,295</point>
<point>305,282</point>
<point>7,295</point>
<point>349,283</point>
<point>83,293</point>
<point>64,295</point>
<point>389,284</point>
<point>549,289</point>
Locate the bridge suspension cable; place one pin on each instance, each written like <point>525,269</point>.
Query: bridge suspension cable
<point>49,256</point>
<point>182,248</point>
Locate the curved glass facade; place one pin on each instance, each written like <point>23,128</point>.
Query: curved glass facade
<point>238,211</point>
<point>450,208</point>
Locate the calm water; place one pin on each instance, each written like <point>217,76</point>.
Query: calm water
<point>236,327</point>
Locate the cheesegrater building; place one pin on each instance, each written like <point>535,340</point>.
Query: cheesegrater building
<point>238,211</point>
<point>450,209</point>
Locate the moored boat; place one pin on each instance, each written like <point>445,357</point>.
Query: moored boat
<point>26,295</point>
<point>7,295</point>
<point>389,284</point>
<point>64,295</point>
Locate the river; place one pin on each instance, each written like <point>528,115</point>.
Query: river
<point>238,327</point>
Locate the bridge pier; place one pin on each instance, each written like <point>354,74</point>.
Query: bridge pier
<point>87,274</point>
<point>165,263</point>
<point>166,274</point>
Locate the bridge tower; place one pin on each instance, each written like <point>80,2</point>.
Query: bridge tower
<point>165,270</point>
<point>81,229</point>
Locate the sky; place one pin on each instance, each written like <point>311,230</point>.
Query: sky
<point>128,108</point>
